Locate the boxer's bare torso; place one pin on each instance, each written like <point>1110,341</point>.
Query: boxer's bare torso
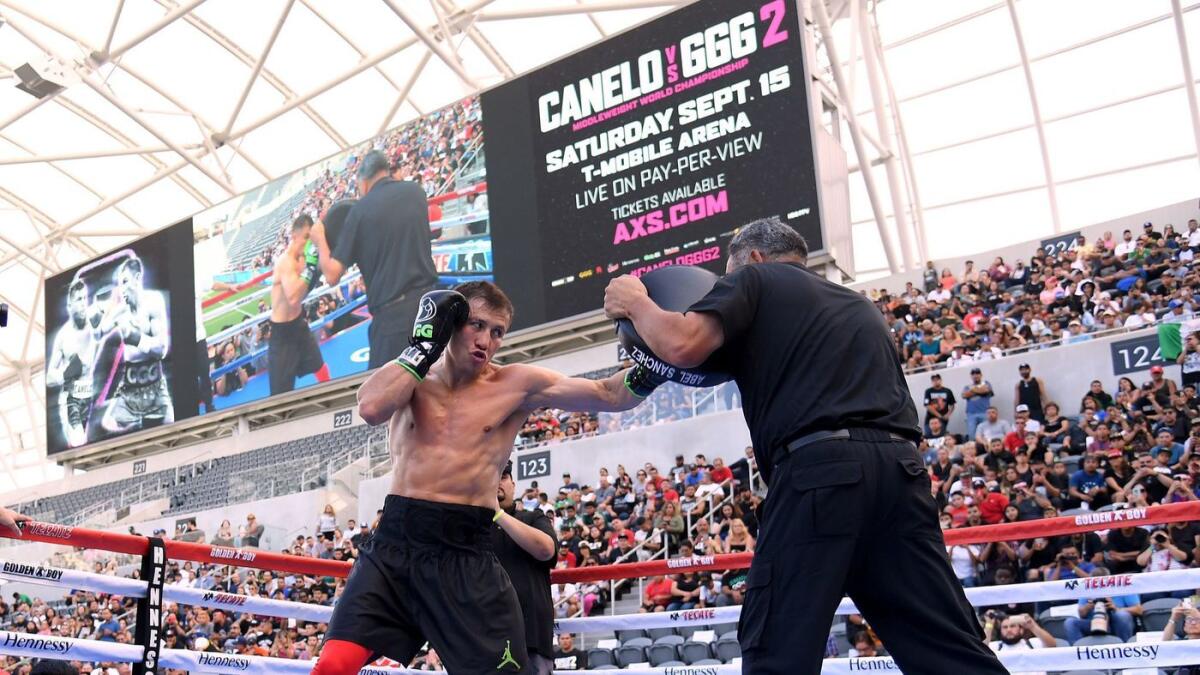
<point>453,431</point>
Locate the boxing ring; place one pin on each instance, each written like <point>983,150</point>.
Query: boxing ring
<point>151,593</point>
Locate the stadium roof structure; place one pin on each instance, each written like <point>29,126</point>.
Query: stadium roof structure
<point>982,122</point>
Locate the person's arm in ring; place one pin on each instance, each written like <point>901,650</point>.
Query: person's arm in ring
<point>331,268</point>
<point>683,340</point>
<point>532,540</point>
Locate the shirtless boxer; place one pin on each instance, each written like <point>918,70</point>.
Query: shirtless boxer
<point>142,399</point>
<point>429,572</point>
<point>292,350</point>
<point>70,367</point>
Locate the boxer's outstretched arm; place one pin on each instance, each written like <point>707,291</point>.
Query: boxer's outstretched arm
<point>549,389</point>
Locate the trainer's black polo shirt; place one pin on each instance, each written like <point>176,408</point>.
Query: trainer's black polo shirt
<point>808,355</point>
<point>387,235</point>
<point>531,580</point>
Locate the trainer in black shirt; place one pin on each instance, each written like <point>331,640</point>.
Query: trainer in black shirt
<point>834,432</point>
<point>387,235</point>
<point>524,542</point>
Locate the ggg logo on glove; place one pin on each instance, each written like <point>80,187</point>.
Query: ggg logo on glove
<point>423,330</point>
<point>427,310</point>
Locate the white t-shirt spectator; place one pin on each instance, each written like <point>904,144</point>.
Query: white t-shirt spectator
<point>998,429</point>
<point>703,491</point>
<point>1194,237</point>
<point>1140,320</point>
<point>987,354</point>
<point>960,559</point>
<point>1025,645</point>
<point>939,295</point>
<point>1162,560</point>
<point>1123,248</point>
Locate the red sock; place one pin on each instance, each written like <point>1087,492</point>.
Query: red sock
<point>323,373</point>
<point>339,657</point>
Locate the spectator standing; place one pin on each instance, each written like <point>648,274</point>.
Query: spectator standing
<point>978,396</point>
<point>939,402</point>
<point>387,235</point>
<point>1189,361</point>
<point>327,523</point>
<point>525,545</point>
<point>1031,391</point>
<point>254,532</point>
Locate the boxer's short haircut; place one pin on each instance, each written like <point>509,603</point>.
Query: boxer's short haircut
<point>490,293</point>
<point>134,265</point>
<point>76,286</point>
<point>302,221</point>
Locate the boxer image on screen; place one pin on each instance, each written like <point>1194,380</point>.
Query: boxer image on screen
<point>139,317</point>
<point>70,366</point>
<point>292,350</point>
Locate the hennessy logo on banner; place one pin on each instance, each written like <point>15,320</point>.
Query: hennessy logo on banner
<point>148,632</point>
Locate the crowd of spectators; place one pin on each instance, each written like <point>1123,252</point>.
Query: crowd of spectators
<point>1132,447</point>
<point>620,517</point>
<point>1137,280</point>
<point>430,151</point>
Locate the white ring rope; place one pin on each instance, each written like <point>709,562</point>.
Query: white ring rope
<point>983,596</point>
<point>1133,655</point>
<point>1104,657</point>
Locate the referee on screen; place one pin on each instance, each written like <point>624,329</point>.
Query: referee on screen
<point>387,235</point>
<point>833,425</point>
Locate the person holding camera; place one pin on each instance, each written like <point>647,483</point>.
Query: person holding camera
<point>1189,616</point>
<point>1018,632</point>
<point>1154,482</point>
<point>1104,616</point>
<point>1067,565</point>
<point>1162,553</point>
<point>1189,361</point>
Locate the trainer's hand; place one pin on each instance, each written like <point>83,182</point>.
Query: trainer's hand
<point>621,295</point>
<point>10,518</point>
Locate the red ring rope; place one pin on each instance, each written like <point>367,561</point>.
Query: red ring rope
<point>220,555</point>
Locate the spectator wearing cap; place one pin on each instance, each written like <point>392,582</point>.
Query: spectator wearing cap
<point>1031,392</point>
<point>1076,332</point>
<point>939,402</point>
<point>978,395</point>
<point>1176,312</point>
<point>1169,452</point>
<point>992,427</point>
<point>1162,387</point>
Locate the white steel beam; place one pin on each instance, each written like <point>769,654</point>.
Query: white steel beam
<point>451,60</point>
<point>90,154</point>
<point>885,238</point>
<point>404,91</point>
<point>178,11</point>
<point>1051,192</point>
<point>112,28</point>
<point>258,65</point>
<point>904,228</point>
<point>1188,79</point>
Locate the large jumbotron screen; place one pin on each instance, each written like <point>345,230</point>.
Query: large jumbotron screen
<point>646,150</point>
